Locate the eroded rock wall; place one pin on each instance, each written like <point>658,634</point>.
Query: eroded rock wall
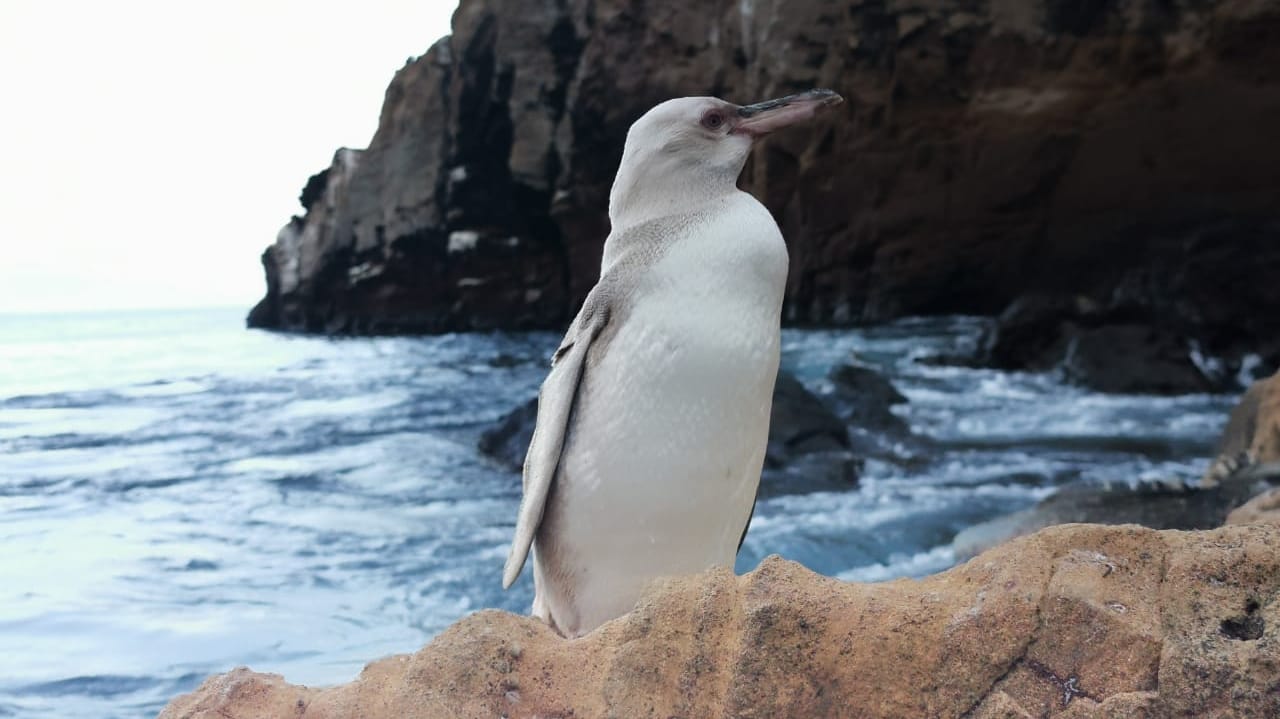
<point>1121,151</point>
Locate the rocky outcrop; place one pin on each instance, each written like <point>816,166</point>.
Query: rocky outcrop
<point>1124,152</point>
<point>1252,435</point>
<point>426,230</point>
<point>1107,349</point>
<point>1264,508</point>
<point>1076,621</point>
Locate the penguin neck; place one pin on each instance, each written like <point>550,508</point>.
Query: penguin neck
<point>665,187</point>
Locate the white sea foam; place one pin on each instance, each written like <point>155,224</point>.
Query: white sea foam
<point>918,564</point>
<point>1250,370</point>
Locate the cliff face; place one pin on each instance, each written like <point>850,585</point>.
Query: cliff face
<point>1125,152</point>
<point>1075,621</point>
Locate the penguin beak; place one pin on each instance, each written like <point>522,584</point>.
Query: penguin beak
<point>763,118</point>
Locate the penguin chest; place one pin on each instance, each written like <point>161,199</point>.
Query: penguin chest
<point>674,415</point>
<point>695,392</point>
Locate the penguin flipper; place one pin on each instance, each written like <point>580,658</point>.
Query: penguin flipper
<point>555,408</point>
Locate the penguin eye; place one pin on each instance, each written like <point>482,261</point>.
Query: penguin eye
<point>713,120</point>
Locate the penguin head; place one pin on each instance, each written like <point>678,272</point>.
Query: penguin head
<point>691,149</point>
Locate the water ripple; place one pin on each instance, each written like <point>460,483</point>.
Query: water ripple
<point>179,496</point>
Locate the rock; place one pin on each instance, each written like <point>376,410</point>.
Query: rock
<point>1252,435</point>
<point>1266,433</point>
<point>1175,505</point>
<point>405,236</point>
<point>1075,621</point>
<point>864,397</point>
<point>824,471</point>
<point>808,444</point>
<point>808,448</point>
<point>1028,334</point>
<point>508,440</point>
<point>1264,508</point>
<point>1093,346</point>
<point>799,423</point>
<point>987,151</point>
<point>1132,359</point>
<point>864,400</point>
<point>314,189</point>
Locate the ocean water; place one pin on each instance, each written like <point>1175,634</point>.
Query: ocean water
<point>180,496</point>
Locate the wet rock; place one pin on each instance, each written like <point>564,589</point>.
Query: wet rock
<point>1028,334</point>
<point>832,470</point>
<point>1131,359</point>
<point>1097,347</point>
<point>799,423</point>
<point>864,397</point>
<point>952,359</point>
<point>508,440</point>
<point>809,449</point>
<point>1173,505</point>
<point>987,151</point>
<point>1252,435</point>
<point>1076,621</point>
<point>808,444</point>
<point>1264,508</point>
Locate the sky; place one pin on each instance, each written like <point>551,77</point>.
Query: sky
<point>152,149</point>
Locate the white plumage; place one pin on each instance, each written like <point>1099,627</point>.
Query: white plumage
<point>652,424</point>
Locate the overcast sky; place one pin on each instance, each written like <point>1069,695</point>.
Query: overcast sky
<point>153,149</point>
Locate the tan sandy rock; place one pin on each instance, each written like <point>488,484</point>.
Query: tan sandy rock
<point>1263,508</point>
<point>1252,436</point>
<point>1074,621</point>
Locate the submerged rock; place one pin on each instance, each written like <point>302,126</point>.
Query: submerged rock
<point>1075,621</point>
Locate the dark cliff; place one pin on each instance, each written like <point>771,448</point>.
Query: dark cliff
<point>1123,153</point>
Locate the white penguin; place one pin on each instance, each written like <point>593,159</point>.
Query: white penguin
<point>652,423</point>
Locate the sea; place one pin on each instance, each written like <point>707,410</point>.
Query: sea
<point>180,496</point>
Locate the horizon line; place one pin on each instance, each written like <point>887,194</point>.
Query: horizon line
<point>121,310</point>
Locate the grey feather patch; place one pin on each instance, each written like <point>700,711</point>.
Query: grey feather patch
<point>555,408</point>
